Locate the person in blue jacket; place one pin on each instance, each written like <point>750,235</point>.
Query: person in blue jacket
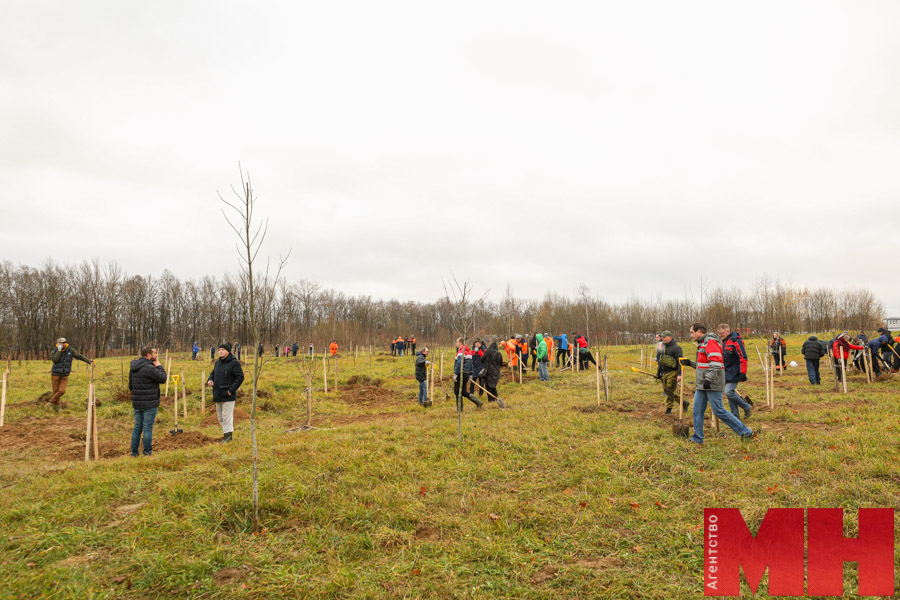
<point>195,350</point>
<point>562,348</point>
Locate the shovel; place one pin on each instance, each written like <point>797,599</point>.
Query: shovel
<point>653,375</point>
<point>177,429</point>
<point>679,429</point>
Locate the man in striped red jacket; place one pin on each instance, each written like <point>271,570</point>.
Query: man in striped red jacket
<point>710,384</point>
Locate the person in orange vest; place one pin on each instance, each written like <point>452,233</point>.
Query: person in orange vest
<point>510,349</point>
<point>333,347</point>
<point>522,348</point>
<point>549,341</point>
<point>412,345</point>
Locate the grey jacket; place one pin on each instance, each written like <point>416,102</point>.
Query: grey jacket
<point>710,367</point>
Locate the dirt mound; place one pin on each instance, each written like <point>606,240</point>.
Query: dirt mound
<point>260,393</point>
<point>45,397</point>
<point>365,380</point>
<point>123,395</point>
<point>240,415</point>
<point>358,394</point>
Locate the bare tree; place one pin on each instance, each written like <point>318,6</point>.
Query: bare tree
<point>251,233</point>
<point>465,308</point>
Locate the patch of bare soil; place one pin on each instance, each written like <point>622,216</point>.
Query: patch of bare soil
<point>63,438</point>
<point>428,533</point>
<point>549,572</point>
<point>365,380</point>
<point>230,575</point>
<point>363,390</point>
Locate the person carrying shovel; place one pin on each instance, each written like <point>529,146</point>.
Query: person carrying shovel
<point>668,370</point>
<point>710,385</point>
<point>225,379</point>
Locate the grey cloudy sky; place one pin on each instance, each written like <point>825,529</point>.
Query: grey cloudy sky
<point>630,146</point>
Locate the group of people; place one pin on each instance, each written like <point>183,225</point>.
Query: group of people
<point>721,365</point>
<point>882,353</point>
<point>401,344</point>
<point>145,376</point>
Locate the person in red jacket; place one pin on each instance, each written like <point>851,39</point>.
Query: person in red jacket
<point>841,352</point>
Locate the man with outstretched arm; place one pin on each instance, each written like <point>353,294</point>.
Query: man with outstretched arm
<point>710,384</point>
<point>62,365</point>
<point>422,364</point>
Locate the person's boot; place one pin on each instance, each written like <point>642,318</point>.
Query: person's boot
<point>226,438</point>
<point>747,412</point>
<point>478,403</point>
<point>668,410</point>
<point>684,404</point>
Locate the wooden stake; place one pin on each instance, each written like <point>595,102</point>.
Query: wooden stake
<point>335,373</point>
<point>843,370</point>
<point>866,364</point>
<point>3,398</point>
<point>442,367</point>
<point>87,429</point>
<point>642,357</point>
<point>772,383</point>
<point>168,375</point>
<point>597,372</point>
<point>781,358</point>
<point>94,423</point>
<point>520,369</point>
<point>183,396</point>
<point>175,405</point>
<point>202,393</point>
<point>325,371</point>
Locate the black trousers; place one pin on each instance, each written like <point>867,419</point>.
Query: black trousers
<point>460,390</point>
<point>585,358</point>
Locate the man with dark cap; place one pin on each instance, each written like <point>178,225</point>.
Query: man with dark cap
<point>225,379</point>
<point>668,369</point>
<point>62,366</point>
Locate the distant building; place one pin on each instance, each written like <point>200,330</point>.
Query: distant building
<point>892,323</point>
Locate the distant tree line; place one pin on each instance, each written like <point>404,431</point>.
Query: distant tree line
<point>103,310</point>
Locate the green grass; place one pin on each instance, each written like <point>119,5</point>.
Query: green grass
<point>553,498</point>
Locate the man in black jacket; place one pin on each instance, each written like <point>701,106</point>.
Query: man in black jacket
<point>813,351</point>
<point>225,379</point>
<point>61,358</point>
<point>668,369</point>
<point>143,380</point>
<point>422,363</point>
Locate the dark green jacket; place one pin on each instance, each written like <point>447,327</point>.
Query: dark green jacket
<point>671,349</point>
<point>62,360</point>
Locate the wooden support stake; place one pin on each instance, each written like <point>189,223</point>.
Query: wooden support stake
<point>87,429</point>
<point>781,358</point>
<point>325,371</point>
<point>183,396</point>
<point>866,364</point>
<point>175,405</point>
<point>335,373</point>
<point>202,393</point>
<point>3,398</point>
<point>94,423</point>
<point>642,357</point>
<point>597,373</point>
<point>606,382</point>
<point>844,370</point>
<point>772,383</point>
<point>168,367</point>
<point>520,369</point>
<point>442,367</point>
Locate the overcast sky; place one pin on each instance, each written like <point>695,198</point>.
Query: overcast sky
<point>629,146</point>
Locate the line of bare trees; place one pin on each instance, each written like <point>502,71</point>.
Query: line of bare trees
<point>103,310</point>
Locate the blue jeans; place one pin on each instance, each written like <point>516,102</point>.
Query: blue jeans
<point>812,370</point>
<point>143,421</point>
<point>735,402</point>
<point>714,399</point>
<point>542,372</point>
<point>423,392</point>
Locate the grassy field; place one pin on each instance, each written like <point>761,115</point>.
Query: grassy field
<point>554,497</point>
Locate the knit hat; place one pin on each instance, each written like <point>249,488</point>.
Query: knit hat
<point>226,345</point>
<point>882,330</point>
